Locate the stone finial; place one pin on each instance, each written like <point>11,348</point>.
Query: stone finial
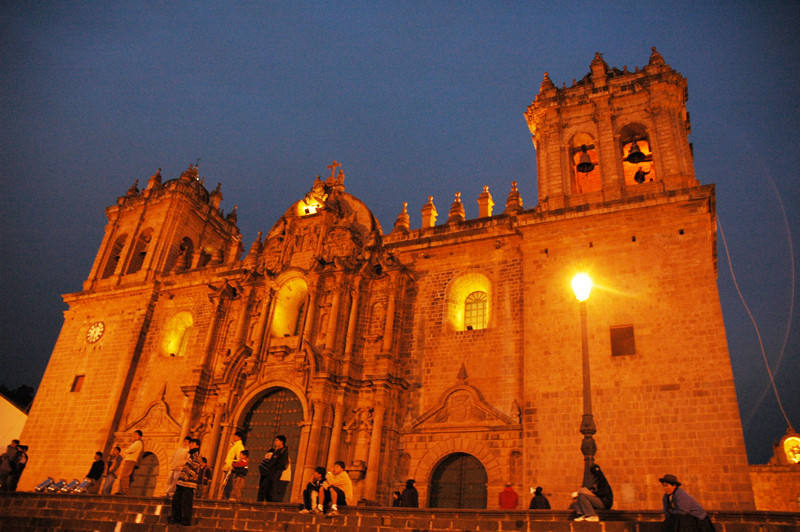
<point>599,69</point>
<point>255,248</point>
<point>656,59</point>
<point>233,217</point>
<point>216,196</point>
<point>462,375</point>
<point>403,222</point>
<point>154,181</point>
<point>514,201</point>
<point>429,213</point>
<point>485,203</point>
<point>456,210</point>
<point>134,189</point>
<point>547,84</point>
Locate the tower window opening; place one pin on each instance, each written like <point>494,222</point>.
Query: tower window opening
<point>77,383</point>
<point>637,156</point>
<point>585,164</point>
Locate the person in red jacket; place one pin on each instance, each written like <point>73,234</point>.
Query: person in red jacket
<point>509,500</point>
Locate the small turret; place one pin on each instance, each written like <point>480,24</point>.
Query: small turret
<point>403,222</point>
<point>485,203</point>
<point>514,201</point>
<point>457,213</point>
<point>215,197</point>
<point>429,214</point>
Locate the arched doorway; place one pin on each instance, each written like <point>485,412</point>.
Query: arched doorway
<point>144,476</point>
<point>278,411</point>
<point>459,481</point>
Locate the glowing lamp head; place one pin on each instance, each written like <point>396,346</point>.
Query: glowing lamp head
<point>582,286</point>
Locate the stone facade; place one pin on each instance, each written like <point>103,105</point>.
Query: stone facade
<point>406,352</point>
<point>776,487</point>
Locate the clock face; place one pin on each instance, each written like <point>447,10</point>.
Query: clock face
<point>95,332</point>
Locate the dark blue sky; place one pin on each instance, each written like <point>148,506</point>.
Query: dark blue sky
<point>413,98</point>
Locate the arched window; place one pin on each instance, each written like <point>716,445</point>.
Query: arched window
<point>475,310</point>
<point>176,334</point>
<point>467,303</point>
<point>140,251</point>
<point>289,308</point>
<point>114,256</point>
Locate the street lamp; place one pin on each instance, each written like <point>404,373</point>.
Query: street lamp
<point>582,286</point>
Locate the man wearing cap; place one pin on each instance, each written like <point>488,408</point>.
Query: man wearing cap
<point>681,511</point>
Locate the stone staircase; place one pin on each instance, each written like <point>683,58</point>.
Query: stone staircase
<point>70,512</point>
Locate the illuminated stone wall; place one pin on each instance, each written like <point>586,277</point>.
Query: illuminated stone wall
<point>776,488</point>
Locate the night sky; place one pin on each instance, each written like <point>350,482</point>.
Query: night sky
<point>414,99</point>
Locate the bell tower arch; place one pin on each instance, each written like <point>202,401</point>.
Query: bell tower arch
<point>612,134</point>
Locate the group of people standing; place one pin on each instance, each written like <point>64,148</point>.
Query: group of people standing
<point>274,470</point>
<point>12,464</point>
<point>409,498</point>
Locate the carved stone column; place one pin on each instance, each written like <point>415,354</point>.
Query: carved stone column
<point>208,343</point>
<point>213,452</point>
<point>241,325</point>
<point>389,325</point>
<point>330,336</point>
<point>261,327</point>
<point>336,435</point>
<point>187,408</point>
<point>312,449</point>
<point>351,323</point>
<point>373,459</point>
<point>312,305</point>
<point>299,467</point>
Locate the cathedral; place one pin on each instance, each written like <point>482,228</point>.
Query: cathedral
<point>454,352</point>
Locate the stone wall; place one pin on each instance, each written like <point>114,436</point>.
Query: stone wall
<point>776,488</point>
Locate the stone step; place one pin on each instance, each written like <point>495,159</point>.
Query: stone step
<point>52,512</point>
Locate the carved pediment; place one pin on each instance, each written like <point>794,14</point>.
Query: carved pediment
<point>156,421</point>
<point>462,406</point>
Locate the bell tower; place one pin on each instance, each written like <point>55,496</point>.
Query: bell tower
<point>166,228</point>
<point>612,134</point>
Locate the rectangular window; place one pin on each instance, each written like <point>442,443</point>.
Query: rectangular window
<point>622,340</point>
<point>77,383</point>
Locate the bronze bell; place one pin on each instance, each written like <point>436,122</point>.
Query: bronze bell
<point>635,156</point>
<point>585,165</point>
